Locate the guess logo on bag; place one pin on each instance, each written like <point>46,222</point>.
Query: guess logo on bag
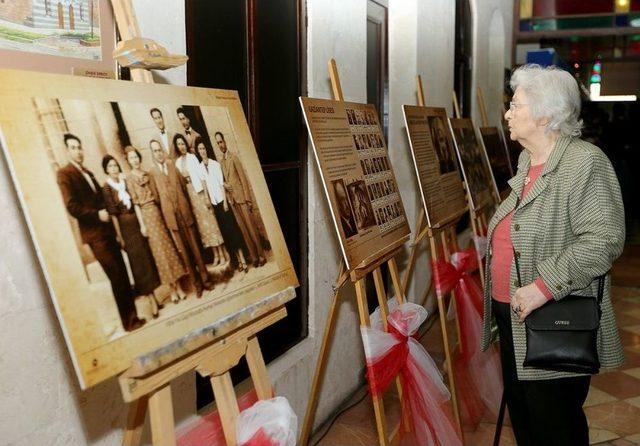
<point>562,322</point>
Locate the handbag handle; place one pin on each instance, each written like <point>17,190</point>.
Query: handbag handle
<point>515,258</point>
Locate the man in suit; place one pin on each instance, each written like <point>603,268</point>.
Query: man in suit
<point>189,133</point>
<point>164,136</point>
<point>83,199</point>
<point>169,189</point>
<point>239,196</point>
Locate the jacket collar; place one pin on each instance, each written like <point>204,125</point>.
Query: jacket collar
<point>517,182</point>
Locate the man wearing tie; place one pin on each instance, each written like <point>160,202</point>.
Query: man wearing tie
<point>164,136</point>
<point>189,133</point>
<point>84,200</point>
<point>169,189</point>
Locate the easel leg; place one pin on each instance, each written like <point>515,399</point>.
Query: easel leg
<point>135,422</point>
<point>447,354</point>
<point>395,279</point>
<point>378,405</point>
<point>161,415</point>
<point>258,369</point>
<point>453,243</point>
<point>320,368</point>
<point>227,406</point>
<point>384,310</point>
<point>414,253</point>
<point>442,316</point>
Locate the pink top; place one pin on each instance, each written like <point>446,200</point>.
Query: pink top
<point>502,250</point>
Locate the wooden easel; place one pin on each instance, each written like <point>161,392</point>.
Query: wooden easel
<point>442,237</point>
<point>148,388</point>
<point>358,277</point>
<point>482,107</point>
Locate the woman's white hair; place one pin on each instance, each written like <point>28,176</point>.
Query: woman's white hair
<point>551,93</point>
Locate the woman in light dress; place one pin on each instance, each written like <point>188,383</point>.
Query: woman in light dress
<point>152,226</point>
<point>189,167</point>
<point>211,172</point>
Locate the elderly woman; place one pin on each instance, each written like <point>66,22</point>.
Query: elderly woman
<point>564,223</point>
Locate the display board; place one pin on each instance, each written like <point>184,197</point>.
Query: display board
<point>126,215</point>
<point>434,159</point>
<point>357,176</point>
<point>498,157</point>
<point>513,147</point>
<point>474,163</point>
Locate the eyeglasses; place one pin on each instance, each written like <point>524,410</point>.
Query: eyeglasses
<point>514,105</point>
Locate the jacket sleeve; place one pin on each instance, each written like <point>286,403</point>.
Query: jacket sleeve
<point>596,216</point>
<point>109,201</point>
<point>81,211</point>
<point>243,178</point>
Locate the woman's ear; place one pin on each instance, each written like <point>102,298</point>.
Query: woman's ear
<point>543,122</point>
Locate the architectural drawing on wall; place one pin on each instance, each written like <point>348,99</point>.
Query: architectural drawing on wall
<point>68,28</point>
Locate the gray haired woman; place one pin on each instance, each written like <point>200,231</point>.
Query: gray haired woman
<point>564,222</point>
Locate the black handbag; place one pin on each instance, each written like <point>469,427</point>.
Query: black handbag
<point>562,335</point>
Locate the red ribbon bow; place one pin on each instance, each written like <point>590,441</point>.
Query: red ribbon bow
<point>478,376</point>
<point>424,393</point>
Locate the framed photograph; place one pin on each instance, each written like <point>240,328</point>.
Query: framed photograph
<point>474,162</point>
<point>148,209</point>
<point>58,36</point>
<point>498,158</point>
<point>358,179</point>
<point>435,161</point>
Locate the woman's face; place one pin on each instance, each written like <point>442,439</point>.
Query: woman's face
<point>133,159</point>
<point>182,146</point>
<point>202,151</point>
<point>113,169</point>
<point>521,123</point>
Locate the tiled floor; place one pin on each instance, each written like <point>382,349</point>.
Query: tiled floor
<point>612,407</point>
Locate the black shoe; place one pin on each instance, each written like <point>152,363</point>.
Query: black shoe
<point>134,323</point>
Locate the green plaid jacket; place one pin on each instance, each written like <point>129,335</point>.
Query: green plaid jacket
<point>568,229</point>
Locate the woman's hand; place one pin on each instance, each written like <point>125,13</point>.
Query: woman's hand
<point>527,299</point>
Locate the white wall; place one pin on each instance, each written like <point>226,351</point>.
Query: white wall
<point>41,402</point>
<point>492,28</point>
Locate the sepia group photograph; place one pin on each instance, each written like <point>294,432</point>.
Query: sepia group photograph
<point>156,207</point>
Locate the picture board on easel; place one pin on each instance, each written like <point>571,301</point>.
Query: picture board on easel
<point>474,163</point>
<point>357,177</point>
<point>435,162</point>
<point>114,119</point>
<point>498,158</point>
<point>512,147</point>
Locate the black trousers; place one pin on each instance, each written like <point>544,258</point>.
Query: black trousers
<point>107,253</point>
<point>543,412</point>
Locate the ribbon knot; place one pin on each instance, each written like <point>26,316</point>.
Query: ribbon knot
<point>447,275</point>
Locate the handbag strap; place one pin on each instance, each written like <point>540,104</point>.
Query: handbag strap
<point>601,278</point>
